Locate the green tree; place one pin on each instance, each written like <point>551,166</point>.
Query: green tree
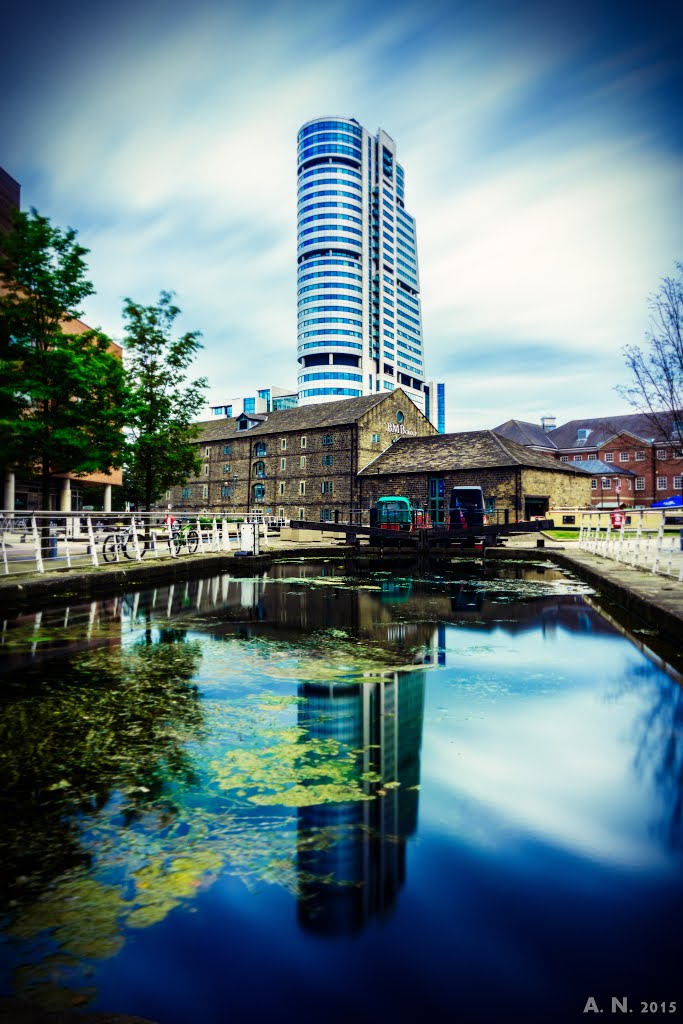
<point>62,390</point>
<point>656,387</point>
<point>161,452</point>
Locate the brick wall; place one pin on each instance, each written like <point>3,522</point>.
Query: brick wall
<point>506,487</point>
<point>658,468</point>
<point>350,447</point>
<point>279,457</point>
<point>381,422</point>
<point>562,489</point>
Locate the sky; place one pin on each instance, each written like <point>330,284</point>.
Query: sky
<point>542,145</point>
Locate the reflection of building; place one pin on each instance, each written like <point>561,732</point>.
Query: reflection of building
<point>37,637</point>
<point>260,606</point>
<point>365,861</point>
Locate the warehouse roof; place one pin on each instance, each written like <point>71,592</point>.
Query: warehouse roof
<point>472,449</point>
<point>303,417</point>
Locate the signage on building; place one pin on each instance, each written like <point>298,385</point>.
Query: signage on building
<point>398,428</point>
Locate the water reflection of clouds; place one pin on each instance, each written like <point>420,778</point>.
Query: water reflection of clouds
<point>549,659</point>
<point>554,769</point>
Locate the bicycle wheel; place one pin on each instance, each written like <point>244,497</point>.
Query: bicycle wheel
<point>129,547</point>
<point>192,541</point>
<point>109,548</point>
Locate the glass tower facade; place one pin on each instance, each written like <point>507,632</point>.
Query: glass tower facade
<point>359,318</point>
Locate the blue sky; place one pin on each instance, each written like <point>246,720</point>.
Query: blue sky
<point>541,144</point>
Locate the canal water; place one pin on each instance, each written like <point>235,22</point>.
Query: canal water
<point>312,796</point>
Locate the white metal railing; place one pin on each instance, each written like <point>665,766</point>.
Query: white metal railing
<point>631,539</point>
<point>40,541</point>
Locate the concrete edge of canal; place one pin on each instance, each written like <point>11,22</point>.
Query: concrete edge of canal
<point>110,579</point>
<point>656,600</point>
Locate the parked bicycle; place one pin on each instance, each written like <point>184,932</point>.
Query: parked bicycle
<point>123,543</point>
<point>11,524</point>
<point>183,536</point>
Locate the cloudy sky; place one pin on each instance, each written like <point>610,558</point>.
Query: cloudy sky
<point>541,144</point>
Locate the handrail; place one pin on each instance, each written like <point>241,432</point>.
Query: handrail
<point>41,541</point>
<point>638,544</point>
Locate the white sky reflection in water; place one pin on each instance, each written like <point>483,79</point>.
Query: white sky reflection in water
<point>552,764</point>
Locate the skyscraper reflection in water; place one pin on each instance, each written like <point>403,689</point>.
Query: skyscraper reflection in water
<point>365,864</point>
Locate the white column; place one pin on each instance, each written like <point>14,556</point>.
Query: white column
<point>65,496</point>
<point>106,505</point>
<point>8,500</point>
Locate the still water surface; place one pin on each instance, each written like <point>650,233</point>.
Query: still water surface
<point>313,797</point>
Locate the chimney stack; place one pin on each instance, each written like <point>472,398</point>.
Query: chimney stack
<point>548,423</point>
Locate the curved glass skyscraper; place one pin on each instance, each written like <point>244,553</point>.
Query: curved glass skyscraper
<point>359,320</point>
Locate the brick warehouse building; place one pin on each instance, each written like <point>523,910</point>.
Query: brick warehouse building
<point>300,463</point>
<point>325,462</point>
<point>513,478</point>
<point>630,459</point>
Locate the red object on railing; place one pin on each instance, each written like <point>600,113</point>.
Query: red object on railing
<point>421,519</point>
<point>616,519</point>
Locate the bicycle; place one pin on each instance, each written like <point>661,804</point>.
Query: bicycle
<point>10,524</point>
<point>122,542</point>
<point>183,536</point>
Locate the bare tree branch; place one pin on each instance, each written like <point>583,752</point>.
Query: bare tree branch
<point>656,389</point>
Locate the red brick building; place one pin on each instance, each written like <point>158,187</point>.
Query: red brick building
<point>631,460</point>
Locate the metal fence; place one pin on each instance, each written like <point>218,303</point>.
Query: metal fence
<point>636,541</point>
<point>49,541</point>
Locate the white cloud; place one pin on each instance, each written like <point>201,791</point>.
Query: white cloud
<point>540,221</point>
